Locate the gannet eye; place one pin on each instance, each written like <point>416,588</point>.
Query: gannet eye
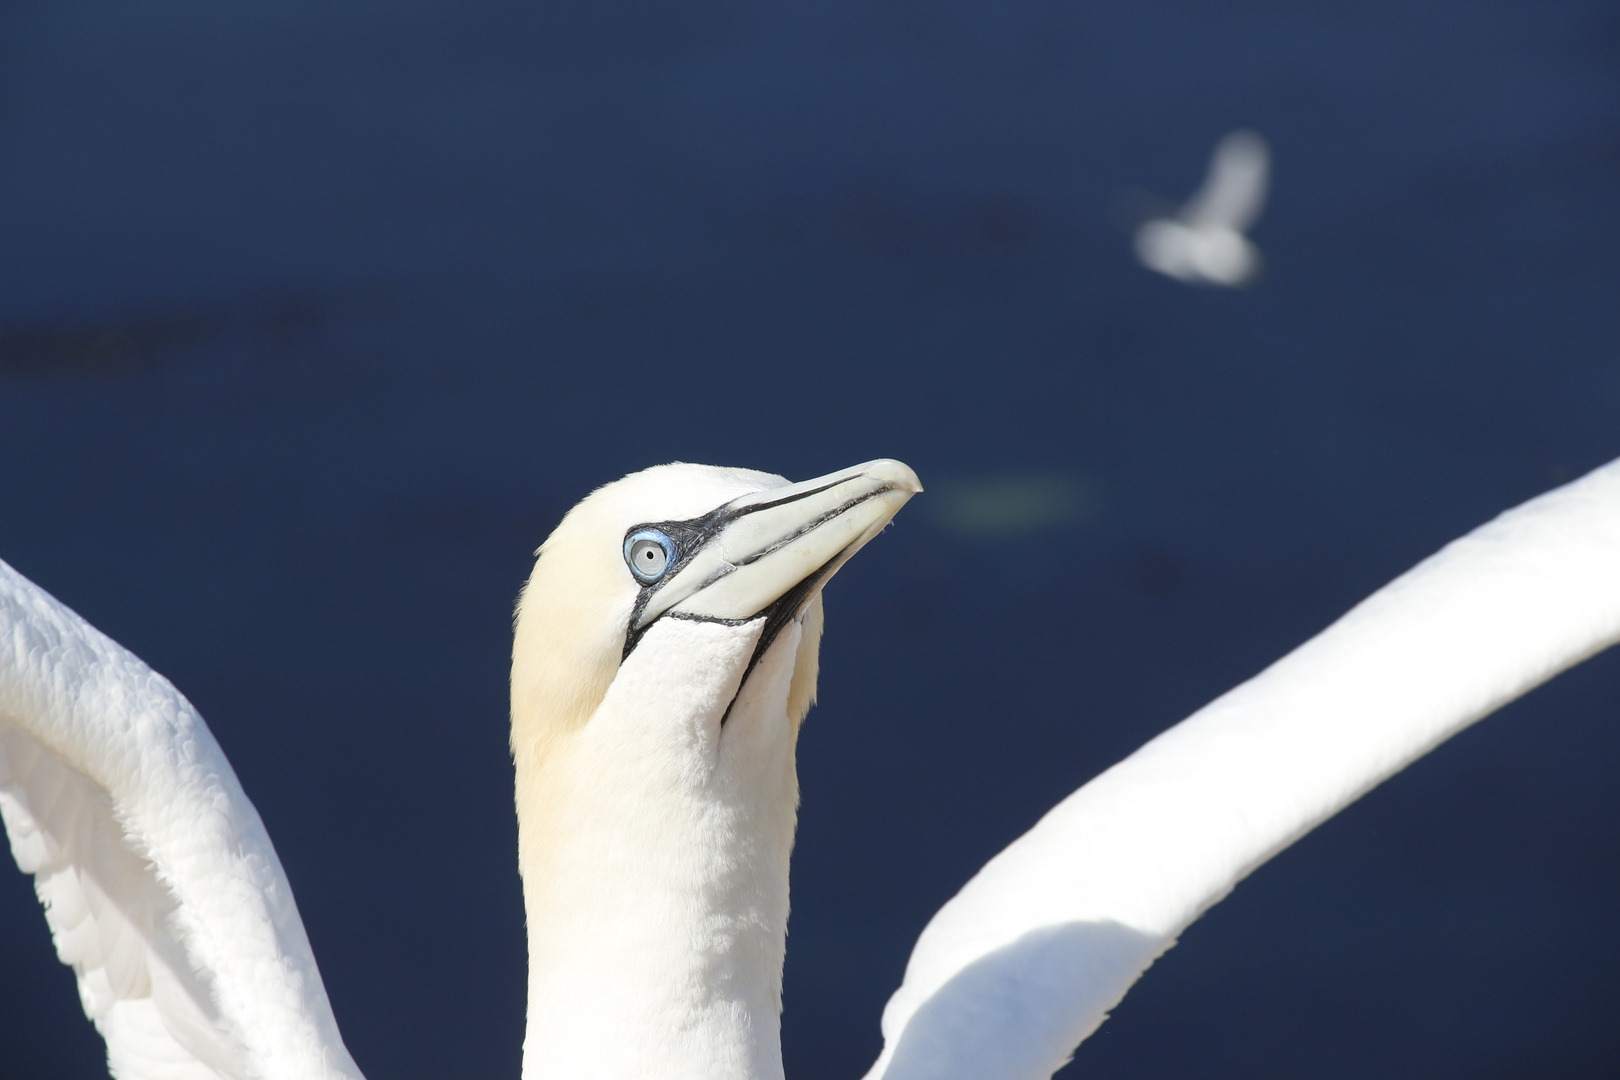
<point>648,553</point>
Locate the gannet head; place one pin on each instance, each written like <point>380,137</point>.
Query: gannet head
<point>666,649</point>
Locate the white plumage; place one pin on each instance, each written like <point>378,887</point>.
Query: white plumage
<point>165,895</point>
<point>162,888</point>
<point>653,731</point>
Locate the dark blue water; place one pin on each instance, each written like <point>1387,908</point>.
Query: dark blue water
<point>314,318</point>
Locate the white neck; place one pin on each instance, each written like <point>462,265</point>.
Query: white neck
<point>654,846</point>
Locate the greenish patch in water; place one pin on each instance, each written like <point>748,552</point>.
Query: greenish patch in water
<point>994,508</point>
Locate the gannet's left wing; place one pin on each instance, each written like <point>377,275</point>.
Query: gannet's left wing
<point>1028,958</point>
<point>160,885</point>
<point>1234,192</point>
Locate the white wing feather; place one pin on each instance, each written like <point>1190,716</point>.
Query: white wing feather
<point>1028,958</point>
<point>159,882</point>
<point>1235,190</point>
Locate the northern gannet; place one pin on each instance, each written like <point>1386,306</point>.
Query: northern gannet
<point>1204,243</point>
<point>664,655</point>
<point>666,650</point>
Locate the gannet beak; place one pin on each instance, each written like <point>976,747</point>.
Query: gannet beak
<point>745,557</point>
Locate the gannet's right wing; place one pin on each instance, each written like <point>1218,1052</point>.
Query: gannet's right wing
<point>1234,192</point>
<point>1028,958</point>
<point>160,885</point>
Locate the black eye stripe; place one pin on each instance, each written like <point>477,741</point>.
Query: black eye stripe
<point>689,537</point>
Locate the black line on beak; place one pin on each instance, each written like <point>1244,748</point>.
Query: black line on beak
<point>691,535</point>
<point>777,616</point>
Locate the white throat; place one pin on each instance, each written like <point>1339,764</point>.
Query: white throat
<point>654,849</point>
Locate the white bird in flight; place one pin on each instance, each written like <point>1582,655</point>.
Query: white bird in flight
<point>664,656</point>
<point>1204,244</point>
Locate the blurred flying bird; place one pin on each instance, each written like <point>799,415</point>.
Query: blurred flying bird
<point>665,653</point>
<point>1203,244</point>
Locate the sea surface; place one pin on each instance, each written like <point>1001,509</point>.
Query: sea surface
<point>316,317</point>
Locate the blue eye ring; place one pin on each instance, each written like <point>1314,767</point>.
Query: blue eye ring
<point>649,554</point>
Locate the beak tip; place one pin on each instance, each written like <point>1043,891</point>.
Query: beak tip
<point>898,475</point>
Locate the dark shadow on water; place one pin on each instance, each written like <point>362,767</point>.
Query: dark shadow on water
<point>117,346</point>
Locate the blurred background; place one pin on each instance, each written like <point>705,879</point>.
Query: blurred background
<point>316,317</point>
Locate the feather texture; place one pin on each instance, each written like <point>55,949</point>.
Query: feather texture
<point>159,882</point>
